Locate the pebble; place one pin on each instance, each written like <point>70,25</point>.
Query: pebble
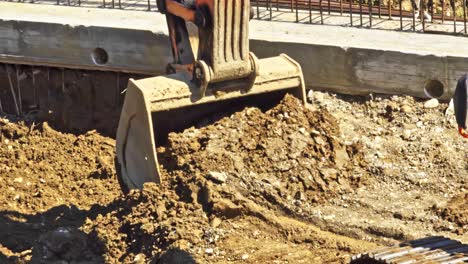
<point>139,259</point>
<point>432,103</point>
<point>314,132</point>
<point>319,97</point>
<point>215,222</point>
<point>147,227</point>
<point>209,251</point>
<point>18,180</point>
<point>406,108</point>
<point>450,111</point>
<point>219,177</point>
<point>407,134</point>
<point>310,96</point>
<point>319,141</point>
<point>250,111</point>
<point>245,256</point>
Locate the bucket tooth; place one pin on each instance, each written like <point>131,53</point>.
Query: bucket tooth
<point>154,107</point>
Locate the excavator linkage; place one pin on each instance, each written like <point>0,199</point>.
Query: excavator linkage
<point>213,72</point>
<point>156,106</point>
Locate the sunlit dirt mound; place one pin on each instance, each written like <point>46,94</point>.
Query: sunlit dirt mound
<point>243,165</point>
<point>456,211</point>
<point>51,180</point>
<point>251,187</point>
<point>43,167</point>
<point>290,153</point>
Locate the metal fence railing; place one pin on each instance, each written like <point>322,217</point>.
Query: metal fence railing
<point>443,16</point>
<point>449,16</point>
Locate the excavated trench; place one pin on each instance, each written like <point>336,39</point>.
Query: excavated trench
<point>251,187</point>
<point>72,100</point>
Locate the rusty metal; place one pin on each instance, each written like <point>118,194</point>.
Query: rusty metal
<point>390,8</point>
<point>431,6</point>
<point>321,12</point>
<point>12,90</point>
<point>400,13</point>
<point>18,87</point>
<point>435,250</point>
<point>422,15</point>
<point>297,12</point>
<point>360,11</point>
<point>271,11</point>
<point>443,11</point>
<point>258,9</point>
<point>380,9</point>
<point>383,7</point>
<point>464,16</point>
<point>335,7</point>
<point>453,4</point>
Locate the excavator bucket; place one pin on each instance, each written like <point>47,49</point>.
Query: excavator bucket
<point>154,107</point>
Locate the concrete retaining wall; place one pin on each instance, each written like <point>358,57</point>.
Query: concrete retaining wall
<point>96,39</point>
<point>346,60</point>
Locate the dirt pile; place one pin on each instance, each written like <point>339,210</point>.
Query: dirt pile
<point>146,223</point>
<point>287,154</point>
<point>49,180</point>
<point>251,187</point>
<point>456,211</point>
<point>242,165</point>
<point>42,167</point>
<point>63,204</point>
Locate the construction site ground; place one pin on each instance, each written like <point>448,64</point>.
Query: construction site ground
<point>294,184</point>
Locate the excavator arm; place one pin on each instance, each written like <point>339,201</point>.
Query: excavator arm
<point>212,72</point>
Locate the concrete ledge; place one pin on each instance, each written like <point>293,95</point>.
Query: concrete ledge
<point>96,39</point>
<point>361,61</point>
<point>346,60</point>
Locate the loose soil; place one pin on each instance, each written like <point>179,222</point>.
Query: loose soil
<point>292,185</point>
<point>456,211</point>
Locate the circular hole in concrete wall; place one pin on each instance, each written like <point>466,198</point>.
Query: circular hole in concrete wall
<point>100,56</point>
<point>434,88</point>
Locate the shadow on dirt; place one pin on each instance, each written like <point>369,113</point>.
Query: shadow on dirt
<point>73,101</point>
<point>175,256</point>
<point>54,235</point>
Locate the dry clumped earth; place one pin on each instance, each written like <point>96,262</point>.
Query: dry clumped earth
<point>289,185</point>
